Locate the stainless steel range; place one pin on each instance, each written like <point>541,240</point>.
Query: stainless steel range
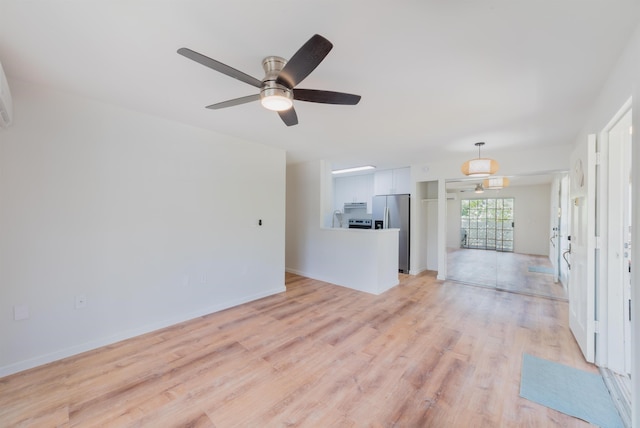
<point>360,223</point>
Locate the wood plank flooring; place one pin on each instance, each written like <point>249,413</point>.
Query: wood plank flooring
<point>504,271</point>
<point>423,354</point>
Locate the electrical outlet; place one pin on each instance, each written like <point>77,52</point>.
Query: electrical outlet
<point>20,312</point>
<point>81,301</point>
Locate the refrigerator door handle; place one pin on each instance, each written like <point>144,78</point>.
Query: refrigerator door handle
<point>386,217</point>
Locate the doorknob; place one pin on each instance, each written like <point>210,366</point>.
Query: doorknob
<point>564,256</point>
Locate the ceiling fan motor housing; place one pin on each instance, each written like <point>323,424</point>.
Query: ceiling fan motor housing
<point>280,97</point>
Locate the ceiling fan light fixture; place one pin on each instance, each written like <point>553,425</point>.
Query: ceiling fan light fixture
<point>276,103</point>
<point>276,99</point>
<point>479,167</point>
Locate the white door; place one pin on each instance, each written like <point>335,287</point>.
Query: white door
<point>625,132</point>
<point>627,263</point>
<point>619,246</point>
<point>582,255</point>
<point>627,281</point>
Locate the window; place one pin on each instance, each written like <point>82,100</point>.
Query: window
<point>487,224</point>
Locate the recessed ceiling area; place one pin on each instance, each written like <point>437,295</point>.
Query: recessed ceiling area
<point>434,76</point>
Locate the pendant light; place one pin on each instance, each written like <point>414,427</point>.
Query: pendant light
<point>495,183</point>
<point>479,188</point>
<point>480,167</point>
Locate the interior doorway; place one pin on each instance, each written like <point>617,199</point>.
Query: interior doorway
<point>513,227</point>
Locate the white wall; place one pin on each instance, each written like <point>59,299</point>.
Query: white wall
<point>153,221</point>
<point>454,238</point>
<point>420,249</point>
<point>424,251</point>
<point>532,227</point>
<point>304,214</point>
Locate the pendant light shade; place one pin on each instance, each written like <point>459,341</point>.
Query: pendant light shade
<point>495,183</point>
<point>479,167</point>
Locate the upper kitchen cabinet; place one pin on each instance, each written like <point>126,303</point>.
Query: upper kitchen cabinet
<point>392,181</point>
<point>355,188</point>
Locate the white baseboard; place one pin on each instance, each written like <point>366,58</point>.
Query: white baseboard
<point>94,344</point>
<point>296,272</point>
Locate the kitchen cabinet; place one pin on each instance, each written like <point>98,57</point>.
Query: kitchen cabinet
<point>392,181</point>
<point>355,188</point>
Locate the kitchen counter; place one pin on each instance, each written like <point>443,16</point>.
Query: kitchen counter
<point>361,259</point>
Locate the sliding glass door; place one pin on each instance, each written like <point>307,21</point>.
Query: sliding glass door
<point>487,223</point>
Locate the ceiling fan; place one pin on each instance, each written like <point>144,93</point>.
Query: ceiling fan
<point>475,188</point>
<point>277,88</point>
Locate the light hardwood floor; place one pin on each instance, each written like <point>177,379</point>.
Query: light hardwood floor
<point>423,354</point>
<point>503,270</point>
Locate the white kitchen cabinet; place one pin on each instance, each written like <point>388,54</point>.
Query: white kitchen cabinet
<point>383,182</point>
<point>355,188</point>
<point>392,181</point>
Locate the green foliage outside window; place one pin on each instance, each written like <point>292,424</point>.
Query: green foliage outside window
<point>487,223</point>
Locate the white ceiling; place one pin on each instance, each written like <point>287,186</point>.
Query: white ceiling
<point>435,76</point>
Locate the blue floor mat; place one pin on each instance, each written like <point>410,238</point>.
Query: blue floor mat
<point>568,390</point>
<point>541,269</point>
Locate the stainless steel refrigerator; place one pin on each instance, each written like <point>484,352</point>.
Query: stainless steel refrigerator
<point>392,212</point>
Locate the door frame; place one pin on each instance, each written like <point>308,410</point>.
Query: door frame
<point>558,221</point>
<point>582,279</point>
<point>564,228</point>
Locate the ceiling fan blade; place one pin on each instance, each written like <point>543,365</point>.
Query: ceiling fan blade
<point>289,117</point>
<point>326,97</point>
<point>220,67</point>
<point>304,61</point>
<point>235,102</point>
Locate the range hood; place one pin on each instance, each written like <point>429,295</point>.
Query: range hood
<point>355,206</point>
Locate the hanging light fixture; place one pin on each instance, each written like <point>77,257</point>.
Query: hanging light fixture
<point>480,167</point>
<point>495,183</point>
<point>479,188</point>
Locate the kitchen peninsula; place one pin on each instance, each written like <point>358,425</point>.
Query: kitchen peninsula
<point>361,259</point>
